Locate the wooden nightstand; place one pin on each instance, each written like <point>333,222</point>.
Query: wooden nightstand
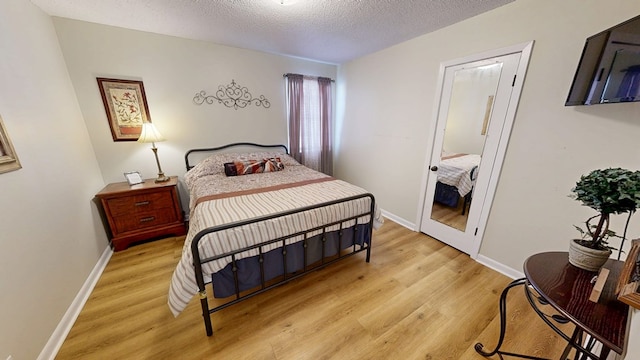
<point>142,212</point>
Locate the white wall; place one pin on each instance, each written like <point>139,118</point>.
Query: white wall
<point>386,118</point>
<point>386,107</point>
<point>472,89</point>
<point>51,235</point>
<point>173,70</point>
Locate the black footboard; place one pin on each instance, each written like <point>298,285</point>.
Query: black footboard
<point>330,246</point>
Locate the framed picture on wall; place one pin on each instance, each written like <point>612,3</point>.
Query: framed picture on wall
<point>126,105</point>
<point>8,158</point>
<point>628,287</point>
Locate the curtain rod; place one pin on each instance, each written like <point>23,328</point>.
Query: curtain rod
<point>287,74</point>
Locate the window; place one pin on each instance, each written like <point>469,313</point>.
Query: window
<point>309,111</point>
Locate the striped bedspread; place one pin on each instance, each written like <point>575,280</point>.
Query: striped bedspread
<point>237,206</point>
<point>456,171</point>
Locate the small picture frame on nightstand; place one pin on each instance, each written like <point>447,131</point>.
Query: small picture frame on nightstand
<point>133,177</point>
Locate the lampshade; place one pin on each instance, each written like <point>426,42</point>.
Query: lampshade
<point>150,134</point>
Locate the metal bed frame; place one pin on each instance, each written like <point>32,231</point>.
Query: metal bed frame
<point>220,148</point>
<point>285,277</point>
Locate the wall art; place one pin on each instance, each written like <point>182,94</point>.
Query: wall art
<point>628,287</point>
<point>232,96</point>
<point>126,105</point>
<point>8,158</point>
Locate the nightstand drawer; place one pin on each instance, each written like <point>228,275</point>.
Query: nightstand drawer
<point>131,205</point>
<point>141,212</point>
<point>143,220</point>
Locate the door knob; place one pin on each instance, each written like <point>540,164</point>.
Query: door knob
<point>434,168</point>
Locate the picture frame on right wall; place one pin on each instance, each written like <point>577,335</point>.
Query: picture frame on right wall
<point>8,157</point>
<point>628,288</point>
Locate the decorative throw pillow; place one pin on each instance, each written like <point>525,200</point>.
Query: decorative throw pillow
<point>245,167</point>
<point>273,164</point>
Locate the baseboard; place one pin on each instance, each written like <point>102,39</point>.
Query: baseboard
<point>52,347</point>
<point>396,219</point>
<point>499,267</point>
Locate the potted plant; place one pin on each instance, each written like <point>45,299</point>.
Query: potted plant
<point>608,191</point>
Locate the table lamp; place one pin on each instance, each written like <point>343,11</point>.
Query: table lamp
<point>150,134</point>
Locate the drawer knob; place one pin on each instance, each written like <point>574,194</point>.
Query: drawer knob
<point>142,203</point>
<point>147,219</point>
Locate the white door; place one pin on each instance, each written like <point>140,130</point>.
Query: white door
<point>473,122</point>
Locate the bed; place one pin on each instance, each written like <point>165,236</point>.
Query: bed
<point>456,176</point>
<point>259,219</point>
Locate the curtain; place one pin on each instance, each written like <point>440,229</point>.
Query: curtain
<point>326,135</point>
<point>295,96</point>
<point>309,111</point>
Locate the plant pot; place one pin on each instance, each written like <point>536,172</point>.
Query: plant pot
<point>587,258</point>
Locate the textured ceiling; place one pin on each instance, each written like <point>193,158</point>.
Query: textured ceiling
<point>333,31</point>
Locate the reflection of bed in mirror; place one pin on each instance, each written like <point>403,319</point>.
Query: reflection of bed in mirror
<point>456,176</point>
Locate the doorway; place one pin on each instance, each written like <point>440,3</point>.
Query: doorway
<point>476,107</point>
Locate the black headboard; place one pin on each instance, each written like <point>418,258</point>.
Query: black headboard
<point>219,148</point>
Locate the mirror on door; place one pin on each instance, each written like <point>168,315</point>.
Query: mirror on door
<point>470,106</point>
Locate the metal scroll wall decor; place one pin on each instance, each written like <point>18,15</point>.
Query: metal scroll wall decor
<point>232,96</point>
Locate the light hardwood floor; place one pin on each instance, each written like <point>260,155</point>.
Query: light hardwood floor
<point>451,216</point>
<point>416,299</point>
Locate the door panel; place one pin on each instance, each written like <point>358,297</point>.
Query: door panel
<point>474,104</point>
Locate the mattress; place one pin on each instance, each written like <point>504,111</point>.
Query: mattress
<point>216,199</point>
<point>456,170</point>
